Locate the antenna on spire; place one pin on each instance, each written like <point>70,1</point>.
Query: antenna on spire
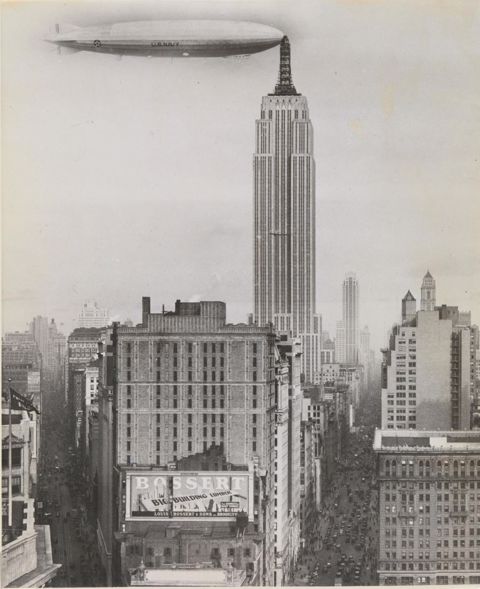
<point>285,85</point>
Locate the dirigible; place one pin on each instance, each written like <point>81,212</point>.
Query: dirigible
<point>170,38</point>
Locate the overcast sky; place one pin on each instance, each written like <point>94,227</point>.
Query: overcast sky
<point>133,176</point>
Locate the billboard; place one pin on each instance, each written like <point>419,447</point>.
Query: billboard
<point>184,494</point>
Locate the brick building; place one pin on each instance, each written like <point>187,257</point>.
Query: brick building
<point>429,507</point>
<point>428,370</point>
<point>185,392</point>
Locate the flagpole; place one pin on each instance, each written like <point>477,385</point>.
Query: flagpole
<point>10,456</point>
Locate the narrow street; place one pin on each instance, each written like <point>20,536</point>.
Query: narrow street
<point>342,546</point>
<point>63,506</point>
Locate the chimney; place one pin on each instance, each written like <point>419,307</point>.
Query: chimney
<point>145,310</point>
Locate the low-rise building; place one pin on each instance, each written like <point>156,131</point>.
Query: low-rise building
<point>26,547</point>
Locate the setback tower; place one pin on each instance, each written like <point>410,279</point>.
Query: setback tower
<point>284,216</point>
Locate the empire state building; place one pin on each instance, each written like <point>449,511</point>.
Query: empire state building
<point>284,223</point>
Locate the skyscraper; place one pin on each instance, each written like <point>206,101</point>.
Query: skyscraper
<point>409,308</point>
<point>350,318</point>
<point>284,216</point>
<point>340,355</point>
<point>428,293</point>
<point>92,315</point>
<point>182,394</point>
<point>428,369</point>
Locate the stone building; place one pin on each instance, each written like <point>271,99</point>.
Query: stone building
<point>26,547</point>
<point>190,400</point>
<point>429,505</point>
<point>428,370</point>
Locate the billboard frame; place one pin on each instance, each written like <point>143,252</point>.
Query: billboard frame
<point>168,476</point>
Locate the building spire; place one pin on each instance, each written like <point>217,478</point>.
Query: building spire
<point>285,85</point>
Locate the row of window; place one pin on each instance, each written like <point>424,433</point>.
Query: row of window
<point>208,348</point>
<point>425,467</point>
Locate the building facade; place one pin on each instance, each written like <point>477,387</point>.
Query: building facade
<point>179,395</point>
<point>82,349</point>
<point>26,547</point>
<point>284,217</point>
<point>340,343</point>
<point>429,505</point>
<point>428,293</point>
<point>428,369</point>
<point>92,315</point>
<point>350,317</point>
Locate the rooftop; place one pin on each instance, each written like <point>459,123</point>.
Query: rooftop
<point>46,569</point>
<point>187,576</point>
<point>434,441</point>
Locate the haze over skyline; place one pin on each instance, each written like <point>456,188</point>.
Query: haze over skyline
<point>133,177</point>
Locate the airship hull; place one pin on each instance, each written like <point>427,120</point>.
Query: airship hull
<point>173,38</point>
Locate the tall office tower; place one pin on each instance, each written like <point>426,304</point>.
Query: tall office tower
<point>409,308</point>
<point>57,349</point>
<point>429,527</point>
<point>428,293</point>
<point>340,343</point>
<point>51,344</point>
<point>82,349</point>
<point>364,349</point>
<point>284,217</point>
<point>187,476</point>
<point>428,372</point>
<point>364,356</point>
<point>351,317</point>
<point>92,315</point>
<point>39,330</point>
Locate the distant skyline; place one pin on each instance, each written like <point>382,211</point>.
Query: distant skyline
<point>132,177</point>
